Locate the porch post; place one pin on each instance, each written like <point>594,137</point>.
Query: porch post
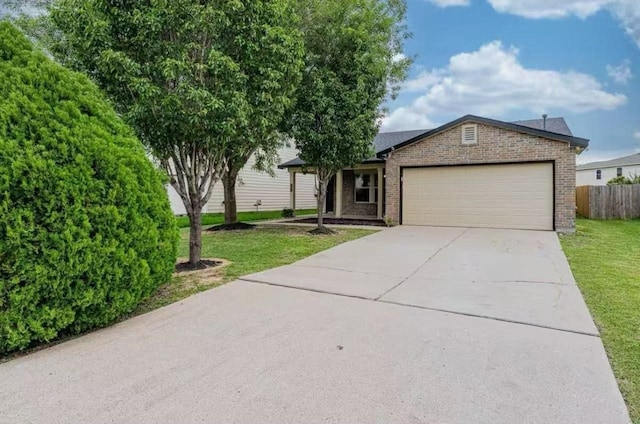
<point>339,194</point>
<point>380,191</point>
<point>292,189</point>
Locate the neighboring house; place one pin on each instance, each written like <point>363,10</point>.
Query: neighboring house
<point>471,172</point>
<point>599,173</point>
<point>253,187</point>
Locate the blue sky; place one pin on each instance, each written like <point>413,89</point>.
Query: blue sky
<point>517,59</point>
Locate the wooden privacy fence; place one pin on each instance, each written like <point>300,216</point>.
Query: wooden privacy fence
<point>609,202</point>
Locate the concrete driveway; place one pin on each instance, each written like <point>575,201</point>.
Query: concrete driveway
<point>409,325</point>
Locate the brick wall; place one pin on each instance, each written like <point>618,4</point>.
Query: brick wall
<point>494,145</point>
<point>349,206</point>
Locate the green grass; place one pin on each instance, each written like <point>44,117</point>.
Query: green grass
<point>605,260</point>
<point>248,251</point>
<point>218,218</point>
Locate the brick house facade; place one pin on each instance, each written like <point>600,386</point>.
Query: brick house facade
<point>537,153</point>
<point>349,205</point>
<point>495,145</point>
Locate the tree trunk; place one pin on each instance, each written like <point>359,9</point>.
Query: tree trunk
<point>230,206</point>
<point>322,196</point>
<point>195,237</point>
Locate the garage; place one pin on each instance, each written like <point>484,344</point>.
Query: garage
<point>516,196</point>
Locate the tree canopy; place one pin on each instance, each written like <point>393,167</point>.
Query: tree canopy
<point>353,62</point>
<point>190,76</point>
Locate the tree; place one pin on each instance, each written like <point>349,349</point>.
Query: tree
<point>180,72</point>
<point>86,229</point>
<point>274,74</point>
<point>260,142</point>
<point>353,61</point>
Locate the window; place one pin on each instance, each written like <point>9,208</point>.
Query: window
<point>366,187</point>
<point>598,174</point>
<point>470,134</point>
<point>619,172</point>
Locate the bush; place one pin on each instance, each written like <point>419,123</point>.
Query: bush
<point>622,180</point>
<point>86,230</point>
<point>287,213</point>
<point>618,180</point>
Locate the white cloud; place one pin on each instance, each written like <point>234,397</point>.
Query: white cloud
<point>625,11</point>
<point>628,13</point>
<point>621,73</point>
<point>407,118</point>
<point>636,134</point>
<point>422,80</point>
<point>537,9</point>
<point>491,82</point>
<point>449,3</point>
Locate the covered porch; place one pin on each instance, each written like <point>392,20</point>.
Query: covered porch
<point>356,192</point>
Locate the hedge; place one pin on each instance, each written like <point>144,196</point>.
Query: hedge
<point>86,229</point>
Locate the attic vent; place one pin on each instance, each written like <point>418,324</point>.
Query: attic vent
<point>470,134</point>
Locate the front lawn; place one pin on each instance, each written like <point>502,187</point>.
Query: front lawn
<point>248,251</point>
<point>218,218</point>
<point>605,260</point>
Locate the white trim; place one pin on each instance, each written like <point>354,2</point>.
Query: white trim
<point>372,188</point>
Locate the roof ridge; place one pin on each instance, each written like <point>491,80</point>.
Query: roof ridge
<point>610,160</point>
<point>539,119</point>
<point>400,131</point>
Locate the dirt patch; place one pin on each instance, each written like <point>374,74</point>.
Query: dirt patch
<point>231,227</point>
<point>203,264</point>
<point>321,231</point>
<point>202,276</point>
<point>342,221</point>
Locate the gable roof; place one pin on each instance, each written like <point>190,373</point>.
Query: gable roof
<point>623,161</point>
<point>525,129</point>
<point>557,129</point>
<point>381,142</point>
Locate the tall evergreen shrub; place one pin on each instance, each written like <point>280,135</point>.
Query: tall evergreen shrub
<point>86,229</point>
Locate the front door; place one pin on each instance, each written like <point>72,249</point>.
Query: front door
<point>331,189</point>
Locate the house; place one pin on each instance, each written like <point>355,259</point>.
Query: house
<point>599,173</point>
<point>258,188</point>
<point>471,172</point>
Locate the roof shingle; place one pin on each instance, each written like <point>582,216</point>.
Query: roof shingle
<point>554,125</point>
<point>623,161</point>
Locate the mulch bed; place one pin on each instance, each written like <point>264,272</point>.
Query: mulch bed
<point>204,264</point>
<point>342,221</point>
<point>230,227</point>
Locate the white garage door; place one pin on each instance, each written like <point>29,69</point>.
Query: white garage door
<point>516,196</point>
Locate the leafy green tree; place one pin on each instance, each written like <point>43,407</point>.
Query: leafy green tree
<point>187,75</point>
<point>274,72</point>
<point>353,61</point>
<point>86,229</point>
